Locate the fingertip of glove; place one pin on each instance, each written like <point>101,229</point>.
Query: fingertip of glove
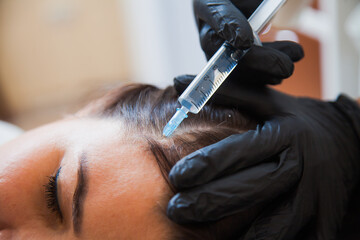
<point>287,69</point>
<point>171,209</point>
<point>272,61</point>
<point>178,176</point>
<point>294,50</point>
<point>272,81</point>
<point>173,177</point>
<point>300,53</point>
<point>283,65</point>
<point>182,177</point>
<point>189,171</point>
<point>176,210</point>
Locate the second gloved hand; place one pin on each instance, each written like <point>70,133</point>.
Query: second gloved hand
<point>303,164</point>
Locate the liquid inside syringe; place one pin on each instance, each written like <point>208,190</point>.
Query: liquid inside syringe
<point>219,68</point>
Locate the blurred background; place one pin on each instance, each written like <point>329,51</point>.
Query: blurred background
<point>55,54</point>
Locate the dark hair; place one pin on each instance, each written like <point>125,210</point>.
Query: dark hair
<point>148,109</point>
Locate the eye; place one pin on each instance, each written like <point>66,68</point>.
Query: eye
<point>51,195</point>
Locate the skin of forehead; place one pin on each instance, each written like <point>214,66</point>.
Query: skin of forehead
<point>125,184</point>
<point>125,188</point>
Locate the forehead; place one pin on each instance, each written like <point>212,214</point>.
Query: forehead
<point>125,186</point>
<point>125,191</point>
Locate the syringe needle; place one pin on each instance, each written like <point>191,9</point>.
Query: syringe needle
<point>180,115</point>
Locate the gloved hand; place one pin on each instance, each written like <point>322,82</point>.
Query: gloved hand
<point>224,20</point>
<point>303,164</point>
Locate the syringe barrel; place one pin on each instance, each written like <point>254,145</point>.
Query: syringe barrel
<point>211,77</point>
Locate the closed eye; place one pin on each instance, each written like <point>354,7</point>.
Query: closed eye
<point>51,195</point>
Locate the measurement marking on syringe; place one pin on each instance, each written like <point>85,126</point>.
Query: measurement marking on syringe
<point>207,78</point>
<point>194,104</point>
<point>204,93</point>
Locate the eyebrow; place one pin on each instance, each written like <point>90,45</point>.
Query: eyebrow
<point>79,195</point>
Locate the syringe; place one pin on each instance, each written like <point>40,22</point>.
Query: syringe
<point>219,68</point>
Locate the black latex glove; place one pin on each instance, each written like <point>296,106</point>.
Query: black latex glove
<point>303,163</point>
<point>225,20</point>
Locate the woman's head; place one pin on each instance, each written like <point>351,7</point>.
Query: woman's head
<point>108,169</point>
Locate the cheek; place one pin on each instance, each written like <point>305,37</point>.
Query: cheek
<point>24,165</point>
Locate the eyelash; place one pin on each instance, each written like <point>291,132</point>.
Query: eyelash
<point>51,195</point>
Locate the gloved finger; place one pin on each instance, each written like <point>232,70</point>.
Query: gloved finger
<point>210,41</point>
<point>232,154</point>
<point>294,50</point>
<point>236,193</point>
<point>266,60</point>
<point>226,20</point>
